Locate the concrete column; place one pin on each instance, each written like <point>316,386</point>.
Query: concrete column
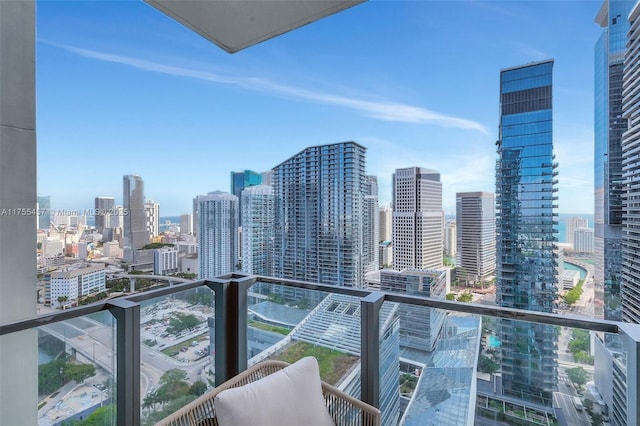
<point>18,352</point>
<point>630,335</point>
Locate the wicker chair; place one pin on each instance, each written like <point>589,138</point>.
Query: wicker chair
<point>344,409</point>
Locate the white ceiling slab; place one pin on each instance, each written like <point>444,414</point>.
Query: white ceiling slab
<point>236,24</point>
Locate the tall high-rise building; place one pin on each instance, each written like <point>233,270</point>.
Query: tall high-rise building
<point>258,203</point>
<point>371,226</point>
<point>609,124</point>
<point>450,238</point>
<point>104,208</point>
<point>186,224</point>
<point>526,273</point>
<point>476,236</point>
<point>152,217</point>
<point>583,240</point>
<point>386,224</point>
<point>631,170</point>
<point>134,218</point>
<point>319,215</point>
<point>242,180</point>
<point>417,219</point>
<point>43,217</point>
<point>574,223</point>
<point>217,233</point>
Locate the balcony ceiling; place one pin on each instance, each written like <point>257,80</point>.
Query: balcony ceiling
<point>237,24</point>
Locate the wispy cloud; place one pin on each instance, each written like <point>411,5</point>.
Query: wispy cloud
<point>529,52</point>
<point>377,109</point>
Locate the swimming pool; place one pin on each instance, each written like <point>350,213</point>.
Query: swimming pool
<point>493,341</point>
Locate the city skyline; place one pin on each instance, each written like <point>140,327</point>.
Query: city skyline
<point>286,95</point>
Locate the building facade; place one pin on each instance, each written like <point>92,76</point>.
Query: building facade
<point>583,240</point>
<point>319,215</point>
<point>574,223</point>
<point>526,275</point>
<point>450,238</point>
<point>371,226</point>
<point>67,286</point>
<point>258,214</point>
<point>186,224</point>
<point>152,218</point>
<point>609,124</point>
<point>476,237</point>
<point>43,217</point>
<point>631,174</point>
<point>241,181</point>
<point>386,224</point>
<point>104,208</point>
<point>217,234</point>
<point>135,233</point>
<point>165,261</point>
<point>417,219</point>
<point>419,326</point>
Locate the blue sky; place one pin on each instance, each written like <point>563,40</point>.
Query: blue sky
<point>123,89</point>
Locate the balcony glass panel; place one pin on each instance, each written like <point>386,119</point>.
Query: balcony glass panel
<point>288,323</point>
<point>76,365</point>
<point>177,350</point>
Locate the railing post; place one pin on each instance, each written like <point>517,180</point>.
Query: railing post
<point>127,390</point>
<point>231,327</point>
<point>630,336</point>
<point>370,348</point>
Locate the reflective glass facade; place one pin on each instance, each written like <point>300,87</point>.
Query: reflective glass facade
<point>631,170</point>
<point>257,234</point>
<point>135,220</point>
<point>608,128</point>
<point>525,229</point>
<point>319,214</point>
<point>242,180</point>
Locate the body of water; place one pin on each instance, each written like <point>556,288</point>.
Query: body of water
<point>571,267</point>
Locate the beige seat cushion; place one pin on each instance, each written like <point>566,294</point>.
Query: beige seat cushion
<point>291,396</point>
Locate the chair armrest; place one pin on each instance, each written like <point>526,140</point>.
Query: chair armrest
<point>347,410</point>
<point>202,408</point>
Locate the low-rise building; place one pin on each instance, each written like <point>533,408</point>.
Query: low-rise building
<point>73,282</point>
<point>165,261</point>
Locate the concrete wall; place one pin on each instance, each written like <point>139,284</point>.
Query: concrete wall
<point>18,352</point>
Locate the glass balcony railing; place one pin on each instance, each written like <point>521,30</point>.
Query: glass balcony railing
<point>137,359</point>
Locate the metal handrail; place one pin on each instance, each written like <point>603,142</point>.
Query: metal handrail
<point>231,306</point>
<point>567,320</point>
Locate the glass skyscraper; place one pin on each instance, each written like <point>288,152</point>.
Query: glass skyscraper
<point>242,180</point>
<point>319,213</point>
<point>608,181</point>
<point>257,233</point>
<point>135,222</point>
<point>525,229</point>
<point>44,217</point>
<point>631,169</point>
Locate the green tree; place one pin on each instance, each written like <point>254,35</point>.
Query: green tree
<point>487,365</point>
<point>578,346</point>
<point>198,388</point>
<point>180,322</point>
<point>79,372</point>
<point>450,296</point>
<point>465,297</point>
<point>577,375</point>
<point>51,376</point>
<point>62,299</point>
